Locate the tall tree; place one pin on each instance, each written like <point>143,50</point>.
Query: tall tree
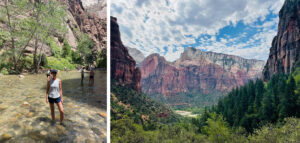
<point>49,19</point>
<point>85,48</point>
<point>20,29</point>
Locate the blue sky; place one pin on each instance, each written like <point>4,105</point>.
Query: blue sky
<point>237,27</point>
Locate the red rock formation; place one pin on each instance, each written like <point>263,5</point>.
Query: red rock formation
<point>285,51</point>
<point>88,22</point>
<point>123,70</point>
<point>197,71</point>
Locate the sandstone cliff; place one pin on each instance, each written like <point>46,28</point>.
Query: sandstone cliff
<point>79,20</point>
<point>285,51</point>
<point>87,20</point>
<point>197,71</point>
<point>123,70</point>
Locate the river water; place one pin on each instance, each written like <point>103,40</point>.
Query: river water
<point>25,115</point>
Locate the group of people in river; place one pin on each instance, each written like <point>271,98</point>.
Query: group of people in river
<point>54,91</point>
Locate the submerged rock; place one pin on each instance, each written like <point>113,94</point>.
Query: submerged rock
<point>103,114</point>
<point>30,114</point>
<point>61,129</point>
<point>44,133</point>
<point>2,108</point>
<point>21,76</point>
<point>25,104</point>
<point>5,137</point>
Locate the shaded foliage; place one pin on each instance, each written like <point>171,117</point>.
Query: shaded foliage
<point>257,103</point>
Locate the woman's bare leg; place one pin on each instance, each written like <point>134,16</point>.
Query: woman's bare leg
<point>61,111</point>
<point>52,111</point>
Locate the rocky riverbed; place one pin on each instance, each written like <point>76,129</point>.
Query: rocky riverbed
<point>25,115</point>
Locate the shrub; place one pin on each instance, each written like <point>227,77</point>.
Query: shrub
<point>101,61</point>
<point>3,37</point>
<point>44,61</point>
<point>4,71</point>
<point>27,62</point>
<point>59,64</point>
<point>76,58</point>
<point>85,47</point>
<point>66,50</point>
<point>55,49</point>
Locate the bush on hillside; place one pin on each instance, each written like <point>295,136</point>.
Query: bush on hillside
<point>101,61</point>
<point>66,50</point>
<point>59,64</point>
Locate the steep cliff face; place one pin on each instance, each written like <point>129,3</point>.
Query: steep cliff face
<point>137,55</point>
<point>87,20</point>
<point>285,50</point>
<point>197,71</point>
<point>81,18</point>
<point>123,70</point>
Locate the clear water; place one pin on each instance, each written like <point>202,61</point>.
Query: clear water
<point>25,115</point>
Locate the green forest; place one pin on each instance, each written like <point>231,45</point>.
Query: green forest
<point>29,28</point>
<point>260,112</point>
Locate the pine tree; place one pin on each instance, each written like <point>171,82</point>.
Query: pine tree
<point>259,91</point>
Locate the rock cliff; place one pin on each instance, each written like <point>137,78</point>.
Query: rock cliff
<point>285,51</point>
<point>87,20</point>
<point>123,70</point>
<point>197,71</point>
<point>79,20</point>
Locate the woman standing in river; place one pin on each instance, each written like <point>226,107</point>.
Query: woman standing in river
<point>54,95</point>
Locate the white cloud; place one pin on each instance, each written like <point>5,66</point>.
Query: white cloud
<point>156,24</point>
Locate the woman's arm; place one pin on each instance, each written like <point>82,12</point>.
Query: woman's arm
<point>60,91</point>
<point>47,91</point>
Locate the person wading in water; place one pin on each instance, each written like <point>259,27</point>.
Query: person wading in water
<point>48,75</point>
<point>82,74</point>
<point>54,95</point>
<point>91,80</point>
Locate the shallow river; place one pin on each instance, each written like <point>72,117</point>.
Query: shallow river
<point>25,115</point>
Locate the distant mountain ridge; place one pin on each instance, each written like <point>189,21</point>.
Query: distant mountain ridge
<point>197,71</point>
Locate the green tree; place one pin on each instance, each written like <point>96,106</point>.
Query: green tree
<point>259,91</point>
<point>85,48</point>
<point>19,30</point>
<point>66,50</point>
<point>217,129</point>
<point>76,58</point>
<point>48,19</point>
<point>102,59</point>
<point>291,96</point>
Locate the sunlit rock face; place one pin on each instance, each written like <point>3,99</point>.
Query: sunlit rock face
<point>197,71</point>
<point>87,20</point>
<point>285,51</point>
<point>96,6</point>
<point>83,16</point>
<point>123,69</point>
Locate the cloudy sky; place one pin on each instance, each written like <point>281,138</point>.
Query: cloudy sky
<point>237,27</point>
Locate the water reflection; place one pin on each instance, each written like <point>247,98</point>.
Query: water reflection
<point>25,115</point>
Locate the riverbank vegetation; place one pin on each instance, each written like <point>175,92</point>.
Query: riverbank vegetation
<point>32,37</point>
<point>256,112</point>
